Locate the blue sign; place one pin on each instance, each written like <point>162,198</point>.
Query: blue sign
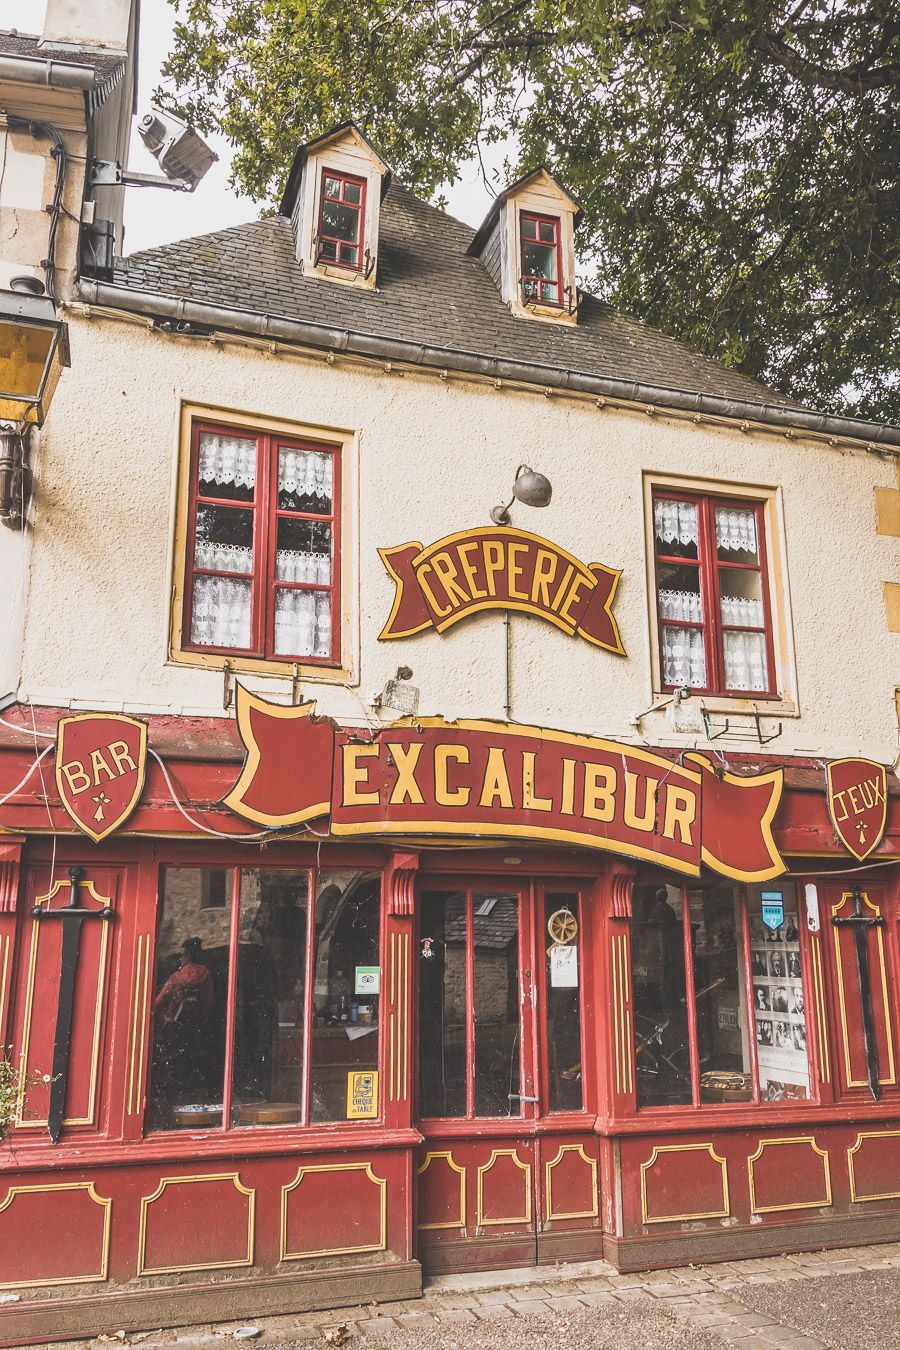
<point>772,907</point>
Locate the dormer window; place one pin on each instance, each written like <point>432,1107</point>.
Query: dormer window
<point>541,259</point>
<point>341,220</point>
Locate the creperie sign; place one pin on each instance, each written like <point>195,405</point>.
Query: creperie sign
<point>505,781</point>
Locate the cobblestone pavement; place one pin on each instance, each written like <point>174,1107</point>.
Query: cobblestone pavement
<point>839,1300</point>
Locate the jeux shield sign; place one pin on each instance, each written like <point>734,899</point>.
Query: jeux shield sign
<point>101,763</point>
<point>857,803</point>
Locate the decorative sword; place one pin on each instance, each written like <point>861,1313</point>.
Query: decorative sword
<point>72,917</point>
<point>860,923</point>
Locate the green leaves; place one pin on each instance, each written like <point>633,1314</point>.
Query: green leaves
<point>739,173</point>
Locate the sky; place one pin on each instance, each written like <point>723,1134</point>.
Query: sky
<point>158,216</point>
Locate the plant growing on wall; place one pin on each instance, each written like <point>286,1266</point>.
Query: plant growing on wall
<point>14,1086</point>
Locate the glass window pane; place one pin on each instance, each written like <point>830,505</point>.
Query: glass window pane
<point>676,528</point>
<point>303,551</point>
<point>547,231</point>
<point>745,661</point>
<point>741,597</point>
<point>778,1003</point>
<point>353,193</point>
<point>223,539</point>
<point>684,657</point>
<point>327,249</point>
<point>723,1024</point>
<point>226,466</point>
<point>538,260</point>
<point>662,1051</point>
<point>332,186</point>
<point>736,537</point>
<point>679,595</point>
<point>220,613</point>
<point>187,1070</point>
<point>346,994</point>
<point>561,919</point>
<point>442,1004</point>
<point>267,1070</point>
<point>529,227</point>
<point>305,481</point>
<point>340,222</point>
<point>302,623</point>
<point>496,1005</point>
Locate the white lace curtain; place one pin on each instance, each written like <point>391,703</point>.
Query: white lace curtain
<point>303,623</point>
<point>684,658</point>
<point>305,473</point>
<point>675,522</point>
<point>745,661</point>
<point>220,613</point>
<point>227,460</point>
<point>686,606</point>
<point>736,530</point>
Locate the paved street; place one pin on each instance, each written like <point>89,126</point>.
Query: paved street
<point>842,1300</point>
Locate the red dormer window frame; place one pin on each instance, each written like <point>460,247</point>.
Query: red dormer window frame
<point>527,280</point>
<point>359,207</point>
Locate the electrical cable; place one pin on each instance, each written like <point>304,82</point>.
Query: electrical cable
<point>59,154</point>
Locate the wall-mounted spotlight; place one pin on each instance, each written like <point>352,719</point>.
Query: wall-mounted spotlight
<point>530,488</point>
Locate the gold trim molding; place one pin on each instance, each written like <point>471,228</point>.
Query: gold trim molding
<point>164,1183</point>
<point>138,1025</point>
<point>548,1177</point>
<point>679,1218</point>
<point>886,1004</point>
<point>621,994</point>
<point>448,1158</point>
<point>854,1193</point>
<point>797,1204</point>
<point>513,1153</point>
<point>380,1182</point>
<point>398,1047</point>
<point>106,1205</point>
<point>821,1019</point>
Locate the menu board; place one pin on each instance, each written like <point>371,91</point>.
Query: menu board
<point>778,1005</point>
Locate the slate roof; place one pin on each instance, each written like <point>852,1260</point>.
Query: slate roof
<point>429,291</point>
<point>20,44</point>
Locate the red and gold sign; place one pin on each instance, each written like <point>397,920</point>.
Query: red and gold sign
<point>101,762</point>
<point>857,803</point>
<point>499,568</point>
<point>498,780</point>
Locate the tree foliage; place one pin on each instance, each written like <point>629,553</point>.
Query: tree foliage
<point>737,160</point>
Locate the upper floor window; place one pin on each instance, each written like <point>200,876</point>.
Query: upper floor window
<point>541,259</point>
<point>712,595</point>
<point>263,563</point>
<point>341,216</point>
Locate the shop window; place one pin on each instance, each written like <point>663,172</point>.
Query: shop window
<point>712,595</point>
<point>341,214</point>
<point>541,259</point>
<point>235,990</point>
<point>718,997</point>
<point>563,1002</point>
<point>469,1041</point>
<point>262,564</point>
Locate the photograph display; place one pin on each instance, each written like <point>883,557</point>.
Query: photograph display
<point>778,1007</point>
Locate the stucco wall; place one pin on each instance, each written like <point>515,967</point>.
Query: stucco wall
<point>433,458</point>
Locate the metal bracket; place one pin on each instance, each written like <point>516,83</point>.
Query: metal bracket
<point>228,689</point>
<point>741,734</point>
<point>295,685</point>
<point>109,173</point>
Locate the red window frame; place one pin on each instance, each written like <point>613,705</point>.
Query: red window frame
<point>526,279</point>
<point>708,563</point>
<point>266,514</point>
<point>359,207</point>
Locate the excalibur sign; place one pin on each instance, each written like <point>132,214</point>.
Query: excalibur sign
<point>72,916</point>
<point>859,924</point>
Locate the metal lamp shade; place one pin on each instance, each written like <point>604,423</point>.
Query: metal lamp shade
<point>532,489</point>
<point>33,350</point>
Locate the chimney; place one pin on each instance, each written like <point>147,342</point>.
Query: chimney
<point>87,25</point>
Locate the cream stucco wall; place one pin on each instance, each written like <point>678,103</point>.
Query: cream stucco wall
<point>433,457</point>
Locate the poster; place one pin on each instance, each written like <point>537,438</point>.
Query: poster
<point>564,967</point>
<point>778,1007</point>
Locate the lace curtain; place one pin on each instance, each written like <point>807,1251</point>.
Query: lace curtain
<point>220,613</point>
<point>305,473</point>
<point>744,613</point>
<point>745,661</point>
<point>227,460</point>
<point>303,623</point>
<point>684,659</point>
<point>684,605</point>
<point>736,530</point>
<point>675,522</point>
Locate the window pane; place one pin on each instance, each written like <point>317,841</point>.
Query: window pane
<point>340,222</point>
<point>676,528</point>
<point>736,539</point>
<point>442,1005</point>
<point>332,186</point>
<point>538,260</point>
<point>187,1071</point>
<point>662,1053</point>
<point>303,551</point>
<point>547,231</point>
<point>684,657</point>
<point>327,249</point>
<point>302,623</point>
<point>529,227</point>
<point>344,1043</point>
<point>778,1001</point>
<point>723,1034</point>
<point>305,481</point>
<point>267,1072</point>
<point>745,661</point>
<point>223,539</point>
<point>679,595</point>
<point>353,193</point>
<point>226,466</point>
<point>561,918</point>
<point>496,1003</point>
<point>741,597</point>
<point>220,613</point>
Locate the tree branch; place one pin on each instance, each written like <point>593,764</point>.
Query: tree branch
<point>855,80</point>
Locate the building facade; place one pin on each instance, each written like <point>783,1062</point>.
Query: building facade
<point>455,884</point>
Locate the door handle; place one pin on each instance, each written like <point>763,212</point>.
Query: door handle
<point>518,1097</point>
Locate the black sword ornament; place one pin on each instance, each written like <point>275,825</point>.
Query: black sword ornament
<point>860,923</point>
<point>72,916</point>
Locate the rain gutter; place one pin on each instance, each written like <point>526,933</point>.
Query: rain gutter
<point>33,70</point>
<point>182,314</point>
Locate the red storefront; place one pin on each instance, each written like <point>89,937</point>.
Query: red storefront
<point>445,997</point>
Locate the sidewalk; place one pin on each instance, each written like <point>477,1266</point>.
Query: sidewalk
<point>841,1300</point>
